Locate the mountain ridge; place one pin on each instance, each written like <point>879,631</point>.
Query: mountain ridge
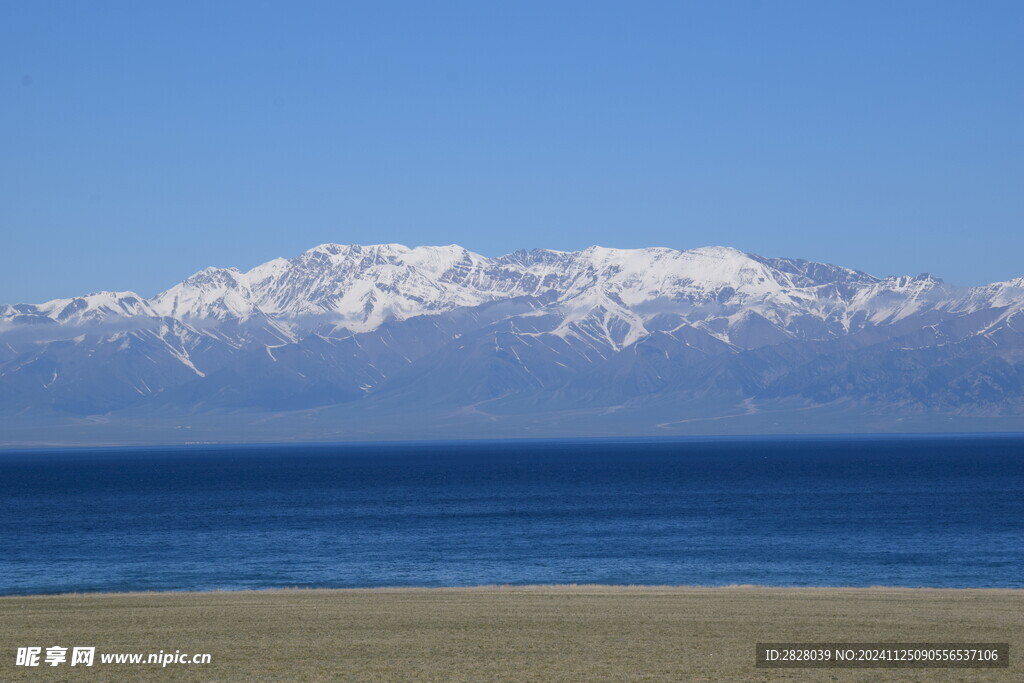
<point>650,334</point>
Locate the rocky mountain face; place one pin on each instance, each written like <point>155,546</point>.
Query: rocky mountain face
<point>648,336</point>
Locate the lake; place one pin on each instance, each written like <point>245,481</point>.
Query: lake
<point>941,511</point>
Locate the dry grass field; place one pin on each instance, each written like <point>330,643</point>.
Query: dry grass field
<point>556,633</point>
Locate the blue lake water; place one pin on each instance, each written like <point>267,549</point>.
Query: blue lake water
<point>856,511</point>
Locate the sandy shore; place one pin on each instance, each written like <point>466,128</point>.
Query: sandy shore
<point>545,633</point>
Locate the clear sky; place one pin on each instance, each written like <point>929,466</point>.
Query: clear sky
<point>142,141</point>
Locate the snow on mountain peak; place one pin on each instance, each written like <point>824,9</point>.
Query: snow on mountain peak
<point>210,293</point>
<point>91,308</point>
<point>639,275</point>
<point>266,271</point>
<point>358,287</point>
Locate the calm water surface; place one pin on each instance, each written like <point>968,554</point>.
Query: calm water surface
<point>857,511</point>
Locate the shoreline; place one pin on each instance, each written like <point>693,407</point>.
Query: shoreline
<point>40,446</point>
<point>512,588</point>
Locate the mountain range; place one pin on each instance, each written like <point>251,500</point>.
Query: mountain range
<point>376,342</point>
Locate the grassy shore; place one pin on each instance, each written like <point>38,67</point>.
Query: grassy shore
<point>545,633</point>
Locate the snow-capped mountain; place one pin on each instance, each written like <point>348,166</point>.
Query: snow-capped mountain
<point>384,328</point>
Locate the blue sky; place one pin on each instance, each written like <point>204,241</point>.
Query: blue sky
<point>144,141</point>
